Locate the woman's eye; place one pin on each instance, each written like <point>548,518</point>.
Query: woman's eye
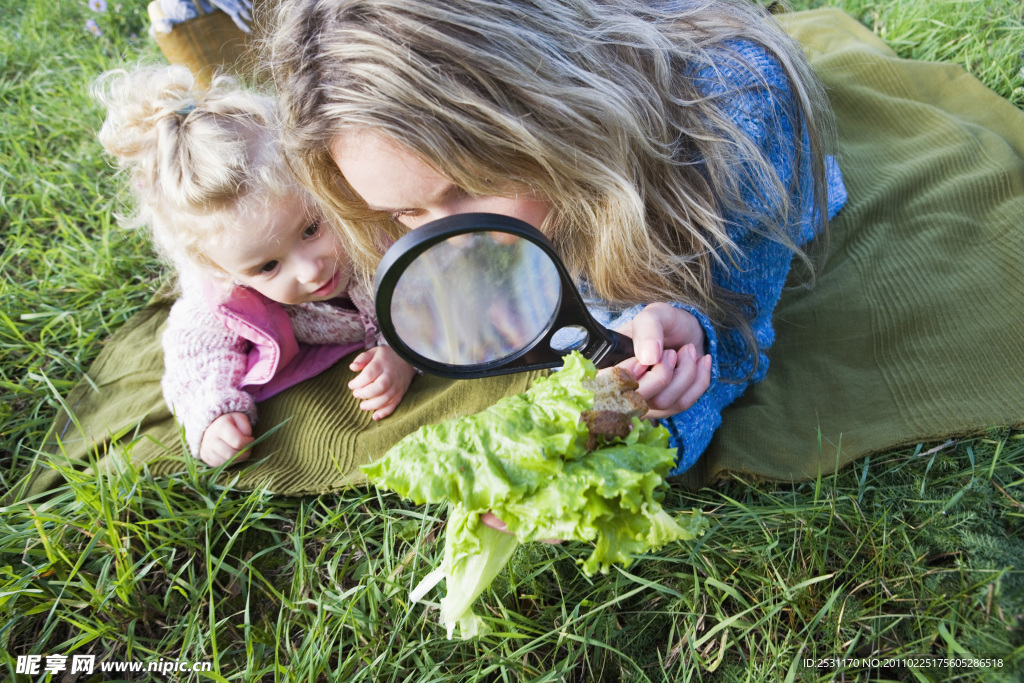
<point>268,267</point>
<point>410,218</point>
<point>312,229</point>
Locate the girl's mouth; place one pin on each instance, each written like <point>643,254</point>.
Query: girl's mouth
<point>329,287</point>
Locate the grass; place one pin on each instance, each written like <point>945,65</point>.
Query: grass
<point>915,551</point>
<point>986,37</point>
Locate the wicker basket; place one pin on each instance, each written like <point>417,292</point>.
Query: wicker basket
<point>210,43</point>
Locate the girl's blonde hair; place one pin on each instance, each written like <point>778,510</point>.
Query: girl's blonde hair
<point>200,161</point>
<point>592,105</point>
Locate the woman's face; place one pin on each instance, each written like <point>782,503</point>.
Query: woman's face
<point>389,177</point>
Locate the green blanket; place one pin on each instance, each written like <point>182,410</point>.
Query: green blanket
<point>311,439</point>
<point>914,331</point>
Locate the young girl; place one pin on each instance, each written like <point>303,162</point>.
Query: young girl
<point>268,296</point>
<point>673,151</point>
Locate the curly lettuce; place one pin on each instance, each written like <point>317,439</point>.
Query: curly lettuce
<point>525,460</point>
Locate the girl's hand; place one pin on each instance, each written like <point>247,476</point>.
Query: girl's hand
<point>224,438</point>
<point>670,363</point>
<point>382,380</point>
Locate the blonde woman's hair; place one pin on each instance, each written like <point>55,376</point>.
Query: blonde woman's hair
<point>593,105</point>
<point>200,161</point>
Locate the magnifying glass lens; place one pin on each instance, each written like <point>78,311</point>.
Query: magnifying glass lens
<point>475,298</point>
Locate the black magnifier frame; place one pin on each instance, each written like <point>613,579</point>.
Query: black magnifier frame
<point>602,346</point>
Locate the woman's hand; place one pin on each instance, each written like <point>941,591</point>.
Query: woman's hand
<point>669,361</point>
<point>491,520</point>
<point>382,381</point>
<point>224,438</point>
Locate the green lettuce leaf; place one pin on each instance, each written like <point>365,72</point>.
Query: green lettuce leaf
<point>474,553</point>
<point>525,460</point>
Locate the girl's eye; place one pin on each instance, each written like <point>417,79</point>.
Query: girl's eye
<point>312,229</point>
<point>268,267</point>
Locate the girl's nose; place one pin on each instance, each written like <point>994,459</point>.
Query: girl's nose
<point>309,269</point>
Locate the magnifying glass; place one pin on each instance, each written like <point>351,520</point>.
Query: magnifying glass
<point>478,294</point>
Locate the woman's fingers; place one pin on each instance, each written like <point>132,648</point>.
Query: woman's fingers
<point>675,384</point>
<point>700,383</point>
<point>491,520</point>
<point>658,376</point>
<point>648,333</point>
<point>679,380</point>
<point>668,362</point>
<point>658,327</point>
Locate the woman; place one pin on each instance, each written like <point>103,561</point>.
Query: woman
<point>674,153</point>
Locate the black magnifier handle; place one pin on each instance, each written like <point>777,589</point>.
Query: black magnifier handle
<point>620,348</point>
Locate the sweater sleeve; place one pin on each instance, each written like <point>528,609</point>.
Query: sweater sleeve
<point>363,301</point>
<point>204,363</point>
<point>757,96</point>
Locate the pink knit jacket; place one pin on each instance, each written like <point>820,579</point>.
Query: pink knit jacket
<point>223,354</point>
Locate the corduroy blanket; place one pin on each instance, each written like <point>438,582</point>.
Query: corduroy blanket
<point>913,332</point>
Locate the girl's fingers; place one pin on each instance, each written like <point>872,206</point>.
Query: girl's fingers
<point>236,441</point>
<point>234,438</point>
<point>217,453</point>
<point>365,379</point>
<point>211,459</point>
<point>388,408</point>
<point>241,422</point>
<point>382,384</point>
<point>375,402</point>
<point>228,434</point>
<point>363,361</point>
<point>227,447</point>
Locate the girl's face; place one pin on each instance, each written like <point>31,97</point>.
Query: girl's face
<point>389,177</point>
<point>285,253</point>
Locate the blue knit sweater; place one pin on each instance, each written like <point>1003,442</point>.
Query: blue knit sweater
<point>755,89</point>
